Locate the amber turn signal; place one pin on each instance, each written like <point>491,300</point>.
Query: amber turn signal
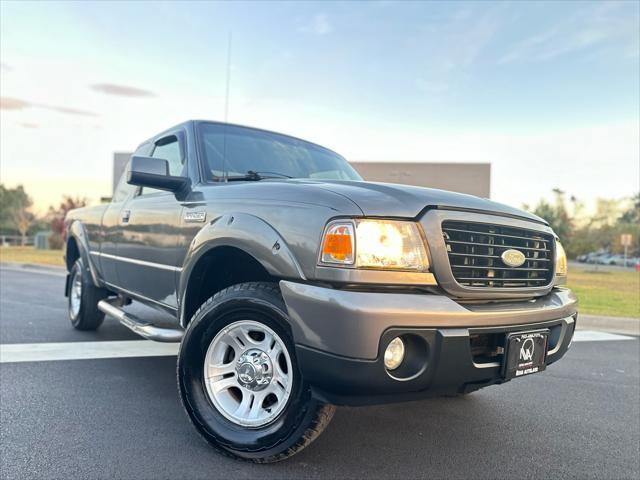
<point>338,244</point>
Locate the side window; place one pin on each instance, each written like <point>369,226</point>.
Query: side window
<point>168,149</point>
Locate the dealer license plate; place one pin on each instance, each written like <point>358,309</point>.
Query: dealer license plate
<point>525,353</point>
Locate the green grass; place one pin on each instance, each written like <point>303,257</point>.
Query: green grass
<point>615,293</point>
<point>31,255</point>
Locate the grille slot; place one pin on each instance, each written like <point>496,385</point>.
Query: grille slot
<point>475,249</point>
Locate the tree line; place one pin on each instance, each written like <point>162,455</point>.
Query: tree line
<point>584,232</point>
<point>17,217</point>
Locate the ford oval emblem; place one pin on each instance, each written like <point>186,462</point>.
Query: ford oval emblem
<point>513,258</point>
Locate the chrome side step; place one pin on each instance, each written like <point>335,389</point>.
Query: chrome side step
<point>141,327</point>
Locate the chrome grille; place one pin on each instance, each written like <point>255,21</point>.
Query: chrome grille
<point>475,249</point>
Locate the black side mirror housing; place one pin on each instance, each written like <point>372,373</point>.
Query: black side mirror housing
<point>154,173</point>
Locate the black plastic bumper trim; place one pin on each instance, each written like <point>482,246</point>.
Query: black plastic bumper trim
<point>449,366</point>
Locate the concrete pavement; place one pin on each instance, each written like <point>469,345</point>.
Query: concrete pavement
<point>121,417</point>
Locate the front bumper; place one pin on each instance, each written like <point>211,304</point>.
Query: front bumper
<point>340,338</point>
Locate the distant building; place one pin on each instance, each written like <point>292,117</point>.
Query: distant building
<point>471,178</point>
<point>120,160</point>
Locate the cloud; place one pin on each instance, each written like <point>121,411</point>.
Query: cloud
<point>121,90</point>
<point>453,43</point>
<point>467,37</point>
<point>9,103</point>
<point>70,111</point>
<point>605,24</point>
<point>320,25</point>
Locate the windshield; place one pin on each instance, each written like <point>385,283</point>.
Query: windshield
<point>238,151</point>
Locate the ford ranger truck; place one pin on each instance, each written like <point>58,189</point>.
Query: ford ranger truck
<point>296,286</point>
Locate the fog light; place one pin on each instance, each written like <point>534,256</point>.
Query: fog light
<point>394,354</point>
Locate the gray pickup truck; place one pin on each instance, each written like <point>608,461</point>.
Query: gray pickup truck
<point>296,286</point>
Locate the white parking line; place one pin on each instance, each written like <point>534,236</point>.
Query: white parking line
<point>593,336</point>
<point>46,352</point>
<point>42,352</point>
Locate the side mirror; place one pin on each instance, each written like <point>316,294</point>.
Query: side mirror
<point>154,173</point>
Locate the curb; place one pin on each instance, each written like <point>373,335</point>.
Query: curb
<point>34,266</point>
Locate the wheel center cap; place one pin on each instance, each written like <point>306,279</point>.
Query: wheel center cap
<point>254,369</point>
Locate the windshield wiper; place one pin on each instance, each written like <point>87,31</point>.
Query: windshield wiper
<point>252,175</point>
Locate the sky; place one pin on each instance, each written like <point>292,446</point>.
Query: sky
<point>548,92</point>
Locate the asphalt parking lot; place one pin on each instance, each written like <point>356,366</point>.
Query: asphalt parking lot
<point>121,417</point>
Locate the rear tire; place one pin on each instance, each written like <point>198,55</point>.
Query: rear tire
<point>220,400</point>
<point>83,299</point>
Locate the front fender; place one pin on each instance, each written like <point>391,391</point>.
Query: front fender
<point>248,233</point>
<point>77,231</point>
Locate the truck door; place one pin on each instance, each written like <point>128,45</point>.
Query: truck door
<point>147,250</point>
<point>111,233</point>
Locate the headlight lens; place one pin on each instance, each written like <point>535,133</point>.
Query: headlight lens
<point>390,244</point>
<point>561,260</point>
<point>383,244</point>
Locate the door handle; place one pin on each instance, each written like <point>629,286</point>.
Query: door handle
<point>126,214</point>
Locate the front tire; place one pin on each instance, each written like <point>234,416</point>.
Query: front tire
<point>239,380</point>
<point>83,299</point>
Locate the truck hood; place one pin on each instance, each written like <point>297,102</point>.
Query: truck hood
<point>395,200</point>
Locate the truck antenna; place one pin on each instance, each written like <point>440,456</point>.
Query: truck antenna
<point>226,98</point>
<point>226,109</point>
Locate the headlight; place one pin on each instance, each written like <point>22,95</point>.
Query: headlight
<point>381,244</point>
<point>561,260</point>
<point>390,244</point>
